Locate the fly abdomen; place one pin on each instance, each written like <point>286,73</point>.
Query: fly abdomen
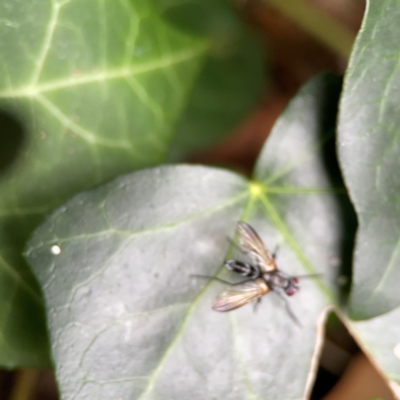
<point>242,268</point>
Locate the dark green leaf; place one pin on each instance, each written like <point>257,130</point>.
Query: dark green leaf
<point>98,88</point>
<point>369,149</point>
<point>369,154</point>
<point>125,318</point>
<point>232,77</point>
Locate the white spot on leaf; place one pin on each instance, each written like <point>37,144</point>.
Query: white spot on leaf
<point>55,249</point>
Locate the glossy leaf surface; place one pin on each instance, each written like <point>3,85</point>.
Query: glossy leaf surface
<point>368,146</point>
<point>369,150</point>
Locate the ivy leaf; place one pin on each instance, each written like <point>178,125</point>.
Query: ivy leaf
<point>369,150</point>
<point>125,317</point>
<point>232,78</point>
<point>99,87</point>
<point>369,154</point>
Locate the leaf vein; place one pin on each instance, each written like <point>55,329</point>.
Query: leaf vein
<point>270,210</point>
<point>18,278</point>
<point>161,63</point>
<point>46,43</point>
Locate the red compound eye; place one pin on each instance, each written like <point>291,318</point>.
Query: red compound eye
<point>295,281</point>
<point>290,291</point>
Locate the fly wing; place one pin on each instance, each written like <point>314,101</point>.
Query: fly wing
<point>241,294</point>
<point>251,242</point>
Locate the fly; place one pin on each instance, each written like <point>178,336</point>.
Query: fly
<point>263,275</point>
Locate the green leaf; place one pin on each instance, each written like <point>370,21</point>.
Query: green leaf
<point>380,338</point>
<point>369,150</point>
<point>125,318</point>
<point>232,79</point>
<point>369,154</point>
<point>98,87</point>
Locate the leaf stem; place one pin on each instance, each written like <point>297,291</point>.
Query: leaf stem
<point>24,385</point>
<point>321,25</point>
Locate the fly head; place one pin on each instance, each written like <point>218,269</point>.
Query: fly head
<point>292,287</point>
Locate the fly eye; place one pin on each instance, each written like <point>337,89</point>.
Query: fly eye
<point>290,291</point>
<point>295,281</point>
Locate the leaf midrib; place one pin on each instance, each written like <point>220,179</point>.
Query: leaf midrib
<point>120,73</point>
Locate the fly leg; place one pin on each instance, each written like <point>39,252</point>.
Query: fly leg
<point>211,278</point>
<point>275,252</point>
<point>289,309</point>
<point>255,304</point>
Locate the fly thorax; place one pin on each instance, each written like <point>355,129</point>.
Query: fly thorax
<point>276,280</point>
